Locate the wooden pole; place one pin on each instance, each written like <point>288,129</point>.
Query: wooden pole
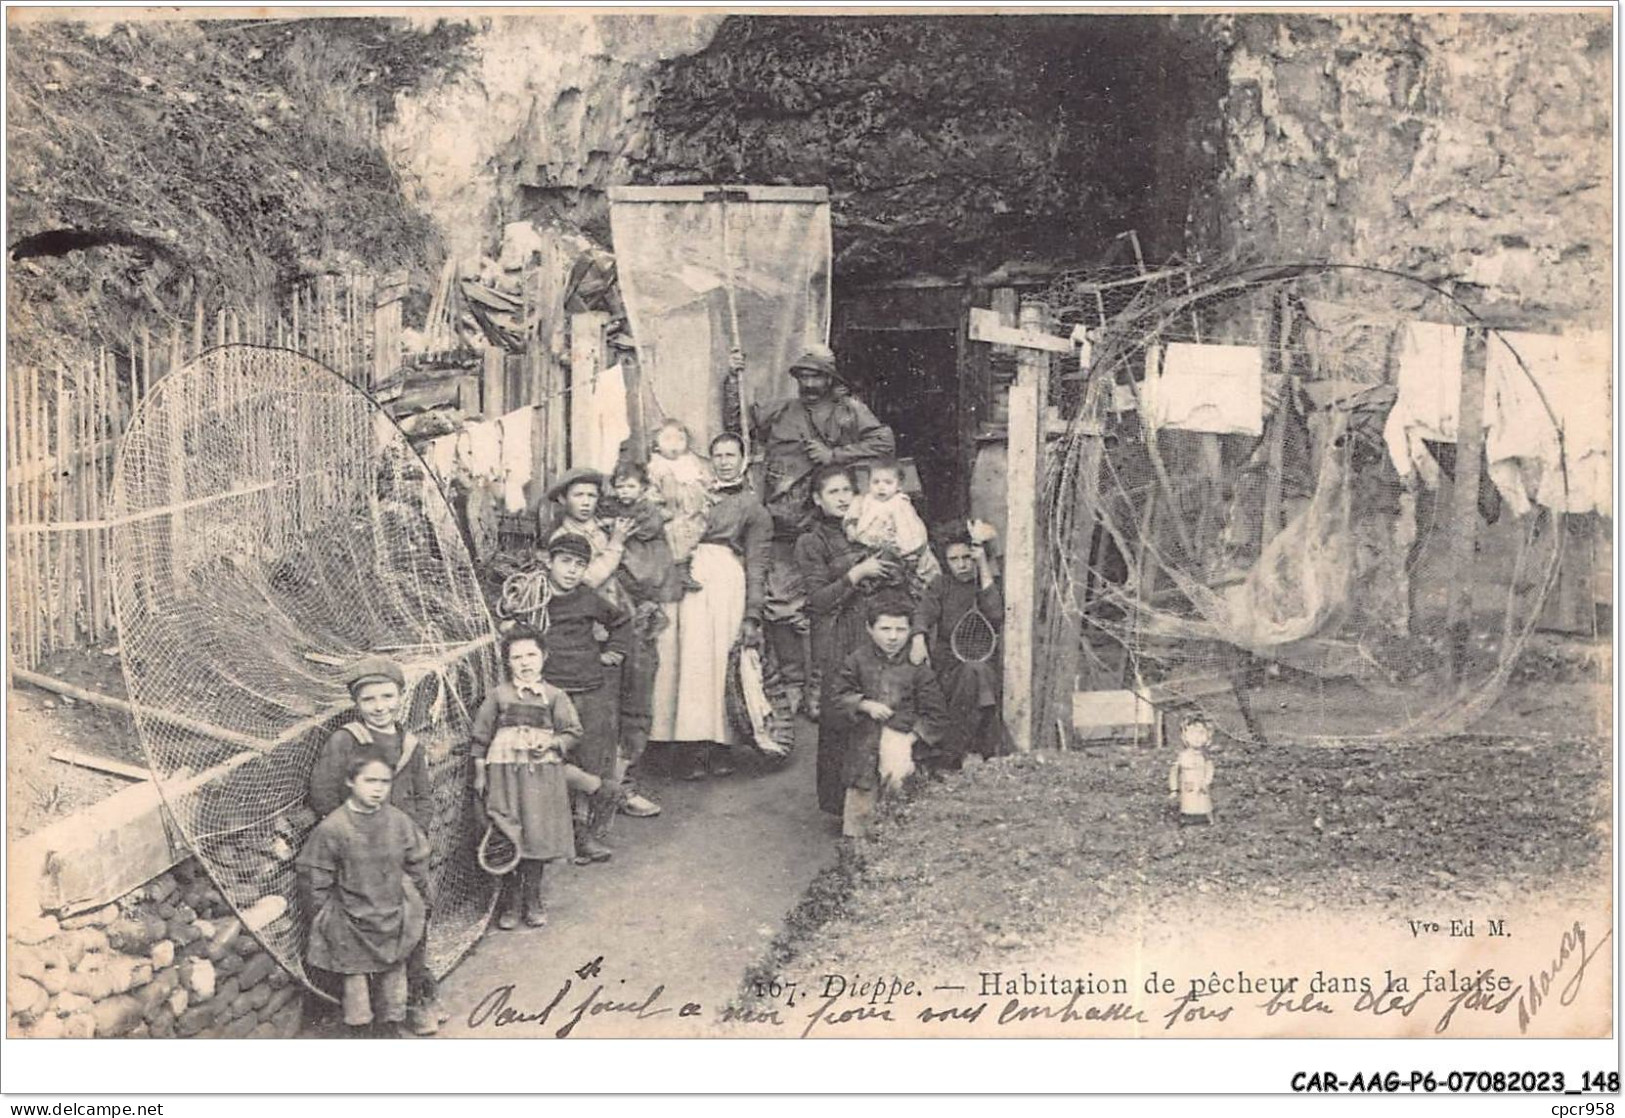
<point>1463,529</point>
<point>494,376</point>
<point>36,583</point>
<point>13,613</point>
<point>1278,424</point>
<point>1028,403</point>
<point>61,510</point>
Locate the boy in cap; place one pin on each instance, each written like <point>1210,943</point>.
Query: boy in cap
<point>579,496</point>
<point>377,687</point>
<point>585,668</point>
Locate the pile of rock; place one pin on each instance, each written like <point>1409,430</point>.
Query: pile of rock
<point>167,959</point>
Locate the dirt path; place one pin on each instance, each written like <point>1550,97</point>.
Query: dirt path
<point>689,902</point>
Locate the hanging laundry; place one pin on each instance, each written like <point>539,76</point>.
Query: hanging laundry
<point>600,423</point>
<point>1212,388</point>
<point>441,455</point>
<point>517,461</point>
<point>479,450</point>
<point>1428,375</point>
<point>1549,431</point>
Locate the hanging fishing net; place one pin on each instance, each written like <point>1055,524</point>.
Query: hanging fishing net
<point>707,269</point>
<point>1254,508</point>
<point>272,526</point>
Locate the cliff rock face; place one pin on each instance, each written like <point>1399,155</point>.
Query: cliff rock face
<point>552,111</point>
<point>953,143</point>
<point>1463,147</point>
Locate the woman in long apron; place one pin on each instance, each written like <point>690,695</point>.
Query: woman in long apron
<point>730,566</point>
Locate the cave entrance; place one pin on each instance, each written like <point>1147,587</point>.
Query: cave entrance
<point>910,377</point>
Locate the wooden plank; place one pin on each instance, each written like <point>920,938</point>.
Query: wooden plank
<point>1276,450</point>
<point>986,327</point>
<point>1098,715</point>
<point>493,381</point>
<point>645,194</point>
<point>31,510</point>
<point>67,574</point>
<point>1028,401</point>
<point>1462,531</point>
<point>100,764</point>
<point>13,610</point>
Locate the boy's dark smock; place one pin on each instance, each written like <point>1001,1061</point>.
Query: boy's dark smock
<point>573,666</point>
<point>909,689</point>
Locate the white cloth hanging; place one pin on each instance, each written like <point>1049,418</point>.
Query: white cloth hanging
<point>1549,426</point>
<point>600,420</point>
<point>1428,376</point>
<point>479,450</point>
<point>517,462</point>
<point>1213,388</point>
<point>441,455</point>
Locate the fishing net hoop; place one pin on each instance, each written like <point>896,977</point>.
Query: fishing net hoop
<point>1156,315</point>
<point>454,617</point>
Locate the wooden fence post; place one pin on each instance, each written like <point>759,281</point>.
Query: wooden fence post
<point>1028,405</point>
<point>1463,528</point>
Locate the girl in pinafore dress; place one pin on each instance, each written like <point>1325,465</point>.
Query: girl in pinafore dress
<point>523,733</point>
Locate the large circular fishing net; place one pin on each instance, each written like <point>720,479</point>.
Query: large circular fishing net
<point>272,526</point>
<point>1293,562</point>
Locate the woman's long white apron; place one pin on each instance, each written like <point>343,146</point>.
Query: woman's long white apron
<point>691,684</point>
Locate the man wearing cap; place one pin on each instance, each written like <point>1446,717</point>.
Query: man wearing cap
<point>822,423</point>
<point>377,687</point>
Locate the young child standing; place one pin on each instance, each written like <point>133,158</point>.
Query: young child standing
<point>377,687</point>
<point>524,733</point>
<point>364,871</point>
<point>582,665</point>
<point>883,519</point>
<point>889,704</point>
<point>957,623</point>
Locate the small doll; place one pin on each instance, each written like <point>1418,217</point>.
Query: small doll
<point>1191,776</point>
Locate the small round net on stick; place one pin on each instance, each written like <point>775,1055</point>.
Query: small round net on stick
<point>1305,572</point>
<point>272,526</point>
<point>973,640</point>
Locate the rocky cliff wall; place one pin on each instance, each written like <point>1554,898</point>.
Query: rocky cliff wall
<point>1463,147</point>
<point>553,109</point>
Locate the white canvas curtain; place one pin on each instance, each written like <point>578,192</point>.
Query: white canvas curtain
<point>680,251</point>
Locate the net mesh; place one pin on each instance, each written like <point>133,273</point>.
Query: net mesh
<point>1282,577</point>
<point>271,526</point>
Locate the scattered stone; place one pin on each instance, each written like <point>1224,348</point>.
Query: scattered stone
<point>198,975</point>
<point>117,1015</point>
<point>48,1027</point>
<point>263,911</point>
<point>34,929</point>
<point>81,1026</point>
<point>26,999</point>
<point>162,954</point>
<point>257,970</point>
<point>194,1020</point>
<point>240,1028</point>
<point>227,933</point>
